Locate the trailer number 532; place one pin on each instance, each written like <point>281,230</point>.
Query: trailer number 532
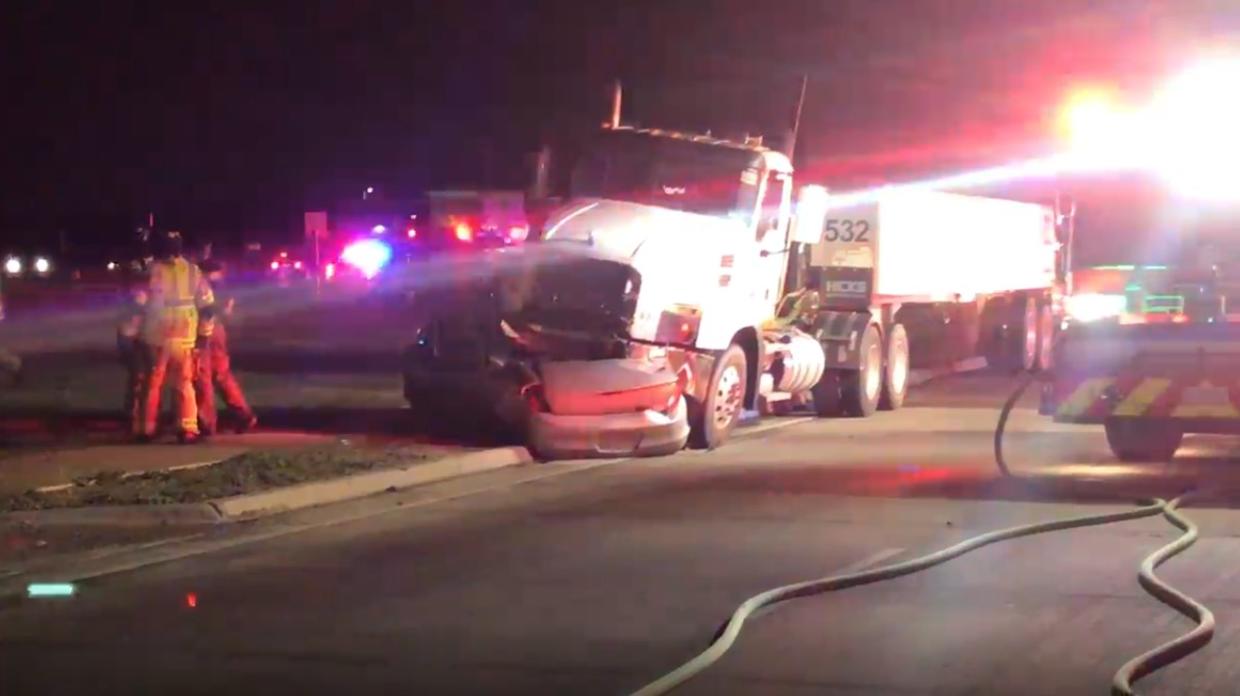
<point>847,230</point>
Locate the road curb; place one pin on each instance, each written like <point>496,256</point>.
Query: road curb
<point>254,505</point>
<point>120,515</point>
<point>264,503</point>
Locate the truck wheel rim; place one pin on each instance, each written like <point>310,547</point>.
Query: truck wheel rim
<point>899,368</point>
<point>727,396</point>
<point>1031,335</point>
<point>1046,331</point>
<point>873,371</point>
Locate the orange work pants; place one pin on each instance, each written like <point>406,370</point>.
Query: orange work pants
<point>173,361</point>
<point>215,371</point>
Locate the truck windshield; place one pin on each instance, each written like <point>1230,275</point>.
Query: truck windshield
<point>679,174</point>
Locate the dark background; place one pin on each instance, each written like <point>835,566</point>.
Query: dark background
<point>232,118</point>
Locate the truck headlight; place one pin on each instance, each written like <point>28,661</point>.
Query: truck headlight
<point>13,265</point>
<point>42,265</point>
<point>1094,306</point>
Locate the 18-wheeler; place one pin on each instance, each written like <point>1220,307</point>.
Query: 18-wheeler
<point>680,285</point>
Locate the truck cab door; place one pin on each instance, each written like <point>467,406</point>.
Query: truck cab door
<point>774,214</point>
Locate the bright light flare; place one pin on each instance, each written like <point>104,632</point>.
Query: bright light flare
<point>368,256</point>
<point>1089,307</point>
<point>411,233</point>
<point>50,589</point>
<point>463,232</point>
<point>379,229</point>
<point>13,265</point>
<point>42,265</point>
<point>112,266</point>
<point>1102,132</point>
<point>518,233</point>
<point>1196,119</point>
<point>275,265</point>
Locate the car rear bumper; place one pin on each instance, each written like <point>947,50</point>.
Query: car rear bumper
<point>634,434</point>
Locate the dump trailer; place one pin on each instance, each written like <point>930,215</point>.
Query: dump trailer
<point>934,280</point>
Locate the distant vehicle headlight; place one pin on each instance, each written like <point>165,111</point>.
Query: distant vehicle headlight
<point>13,265</point>
<point>1089,307</point>
<point>42,265</point>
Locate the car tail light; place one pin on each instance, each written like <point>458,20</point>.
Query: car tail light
<point>464,232</point>
<point>683,377</point>
<point>535,398</point>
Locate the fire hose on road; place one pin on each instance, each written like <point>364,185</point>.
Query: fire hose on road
<point>1132,671</point>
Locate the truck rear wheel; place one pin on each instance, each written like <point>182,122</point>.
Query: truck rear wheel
<point>862,389</point>
<point>1134,440</point>
<point>1027,334</point>
<point>895,369</point>
<point>712,419</point>
<point>1046,338</point>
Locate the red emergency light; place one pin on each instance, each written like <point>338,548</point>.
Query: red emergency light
<point>464,232</point>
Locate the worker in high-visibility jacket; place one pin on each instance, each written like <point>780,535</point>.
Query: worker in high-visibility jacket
<point>214,363</point>
<point>177,291</point>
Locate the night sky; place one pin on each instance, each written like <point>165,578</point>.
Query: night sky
<point>233,119</point>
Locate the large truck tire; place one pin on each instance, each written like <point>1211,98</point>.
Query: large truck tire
<point>712,419</point>
<point>895,369</point>
<point>1135,440</point>
<point>1026,358</point>
<point>1046,338</point>
<point>861,390</point>
<point>828,402</point>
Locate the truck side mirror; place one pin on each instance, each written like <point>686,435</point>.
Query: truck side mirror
<point>811,215</point>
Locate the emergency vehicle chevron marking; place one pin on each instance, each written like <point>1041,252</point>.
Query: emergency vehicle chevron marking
<point>1206,401</point>
<point>1137,401</point>
<point>1084,396</point>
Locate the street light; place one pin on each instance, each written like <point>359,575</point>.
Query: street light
<point>368,192</point>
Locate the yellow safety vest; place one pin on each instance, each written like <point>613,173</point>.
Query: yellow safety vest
<point>178,290</point>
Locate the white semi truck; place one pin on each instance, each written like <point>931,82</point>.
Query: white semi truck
<point>679,285</point>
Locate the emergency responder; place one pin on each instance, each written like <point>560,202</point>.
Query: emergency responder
<point>214,363</point>
<point>177,291</point>
<point>133,352</point>
<point>799,308</point>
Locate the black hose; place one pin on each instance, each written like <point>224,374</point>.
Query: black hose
<point>1004,413</point>
<point>731,630</point>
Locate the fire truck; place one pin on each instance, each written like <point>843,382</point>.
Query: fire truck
<point>1149,348</point>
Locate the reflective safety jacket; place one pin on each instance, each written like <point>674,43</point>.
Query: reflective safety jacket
<point>178,291</point>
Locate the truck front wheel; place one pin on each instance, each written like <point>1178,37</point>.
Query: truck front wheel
<point>862,389</point>
<point>712,418</point>
<point>1135,440</point>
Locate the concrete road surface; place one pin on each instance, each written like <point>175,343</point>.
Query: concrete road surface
<point>593,578</point>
